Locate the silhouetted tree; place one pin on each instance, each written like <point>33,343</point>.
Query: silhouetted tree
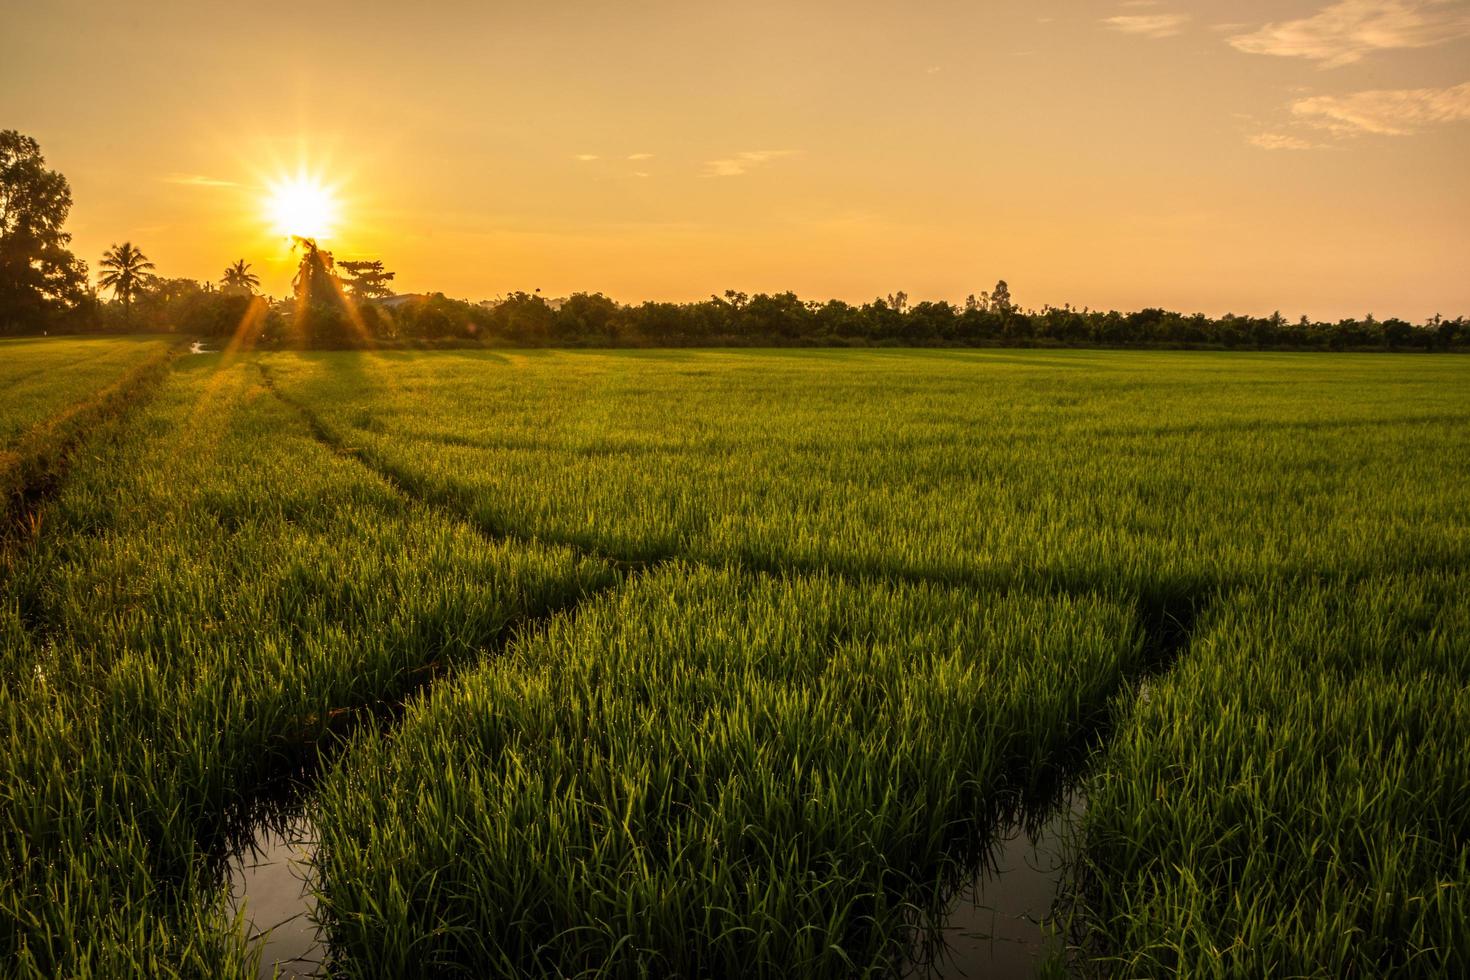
<point>366,279</point>
<point>239,280</point>
<point>1000,298</point>
<point>39,276</point>
<point>322,319</point>
<point>127,273</point>
<point>588,318</point>
<point>315,280</point>
<point>977,304</point>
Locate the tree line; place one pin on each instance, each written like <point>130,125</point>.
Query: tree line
<point>43,287</point>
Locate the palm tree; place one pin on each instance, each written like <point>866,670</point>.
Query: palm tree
<point>127,272</point>
<point>316,278</point>
<point>239,279</point>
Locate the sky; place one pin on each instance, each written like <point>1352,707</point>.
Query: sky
<point>1199,155</point>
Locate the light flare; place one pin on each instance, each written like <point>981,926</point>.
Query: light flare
<point>302,205</point>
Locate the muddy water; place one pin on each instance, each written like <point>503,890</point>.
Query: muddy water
<point>1001,926</point>
<point>271,880</point>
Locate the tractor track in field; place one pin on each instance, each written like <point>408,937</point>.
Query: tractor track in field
<point>1166,621</point>
<point>33,474</point>
<point>328,734</point>
<point>1166,624</point>
<point>1162,617</point>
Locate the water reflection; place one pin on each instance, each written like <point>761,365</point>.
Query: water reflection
<point>270,879</point>
<point>1003,924</point>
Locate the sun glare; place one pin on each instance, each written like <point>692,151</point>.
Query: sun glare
<point>301,205</point>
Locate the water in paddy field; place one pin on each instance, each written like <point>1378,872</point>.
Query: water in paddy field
<point>997,927</point>
<point>270,879</point>
<point>1000,925</point>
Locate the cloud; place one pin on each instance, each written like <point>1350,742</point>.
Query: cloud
<point>586,157</point>
<point>741,163</point>
<point>1281,141</point>
<point>199,180</point>
<point>1148,25</point>
<point>1390,112</point>
<point>1346,31</point>
<point>640,156</point>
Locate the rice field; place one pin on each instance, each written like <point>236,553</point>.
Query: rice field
<point>55,390</point>
<point>697,664</point>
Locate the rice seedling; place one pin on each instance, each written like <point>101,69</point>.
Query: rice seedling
<point>876,601</point>
<point>710,773</point>
<point>1292,798</point>
<point>1164,478</point>
<point>216,597</point>
<point>56,393</point>
<point>40,377</point>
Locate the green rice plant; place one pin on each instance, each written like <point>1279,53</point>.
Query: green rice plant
<point>1293,798</point>
<point>1162,475</point>
<point>41,377</point>
<point>216,598</point>
<point>896,592</point>
<point>56,392</point>
<point>708,773</point>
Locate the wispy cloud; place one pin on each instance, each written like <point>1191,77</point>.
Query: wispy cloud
<point>741,163</point>
<point>1390,112</point>
<point>586,157</point>
<point>1148,25</point>
<point>1281,141</point>
<point>199,180</point>
<point>640,156</point>
<point>1347,31</point>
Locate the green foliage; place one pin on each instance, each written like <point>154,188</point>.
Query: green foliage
<point>40,280</point>
<point>366,279</point>
<point>238,279</point>
<point>126,271</point>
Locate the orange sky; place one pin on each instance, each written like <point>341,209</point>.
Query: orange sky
<point>1192,154</point>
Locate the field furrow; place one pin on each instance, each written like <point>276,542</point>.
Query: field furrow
<point>51,409</point>
<point>216,597</point>
<point>710,773</point>
<point>740,660</point>
<point>944,468</point>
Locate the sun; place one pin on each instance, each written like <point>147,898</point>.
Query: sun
<point>301,205</point>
